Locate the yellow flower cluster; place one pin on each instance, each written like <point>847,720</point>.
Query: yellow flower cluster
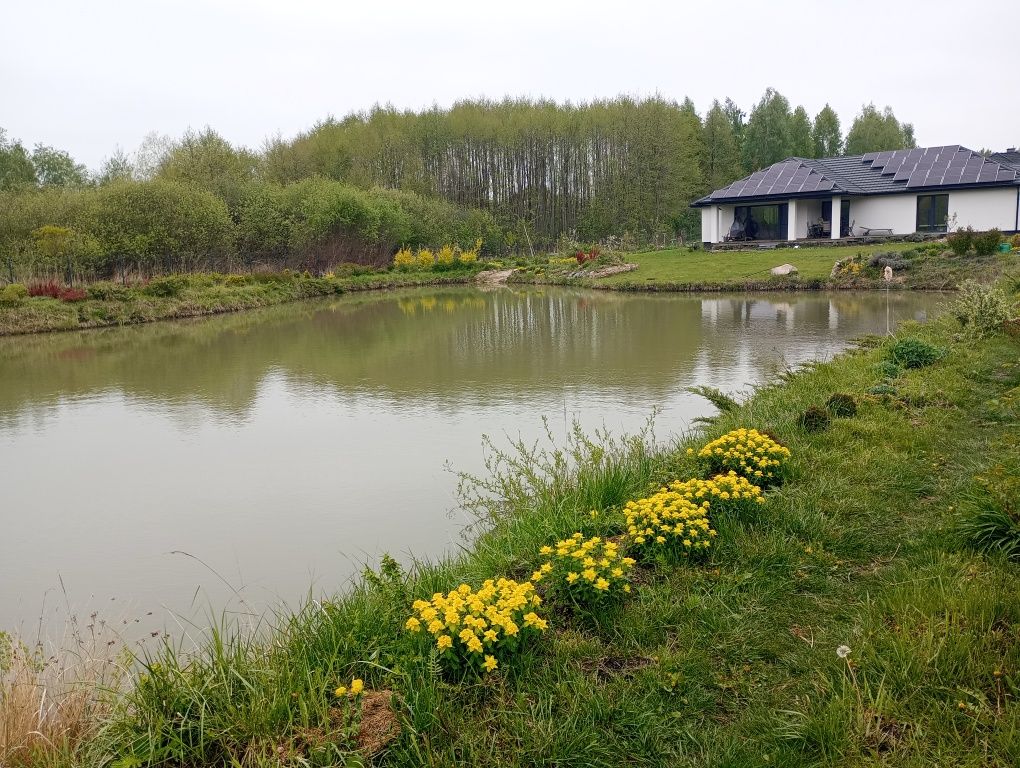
<point>473,627</point>
<point>355,689</point>
<point>747,452</point>
<point>586,570</point>
<point>723,492</point>
<point>668,520</point>
<point>426,259</point>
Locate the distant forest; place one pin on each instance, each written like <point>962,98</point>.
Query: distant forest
<point>510,171</point>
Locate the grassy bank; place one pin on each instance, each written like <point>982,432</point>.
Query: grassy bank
<point>725,660</point>
<point>918,267</point>
<point>193,295</point>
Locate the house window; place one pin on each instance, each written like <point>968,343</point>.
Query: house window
<point>932,213</point>
<point>761,222</point>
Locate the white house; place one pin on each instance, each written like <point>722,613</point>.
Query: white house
<point>925,190</point>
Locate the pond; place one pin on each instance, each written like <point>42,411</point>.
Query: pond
<point>157,474</point>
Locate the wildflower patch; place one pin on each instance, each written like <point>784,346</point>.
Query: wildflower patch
<point>477,630</point>
<point>585,571</point>
<point>747,452</point>
<point>724,493</point>
<point>668,522</point>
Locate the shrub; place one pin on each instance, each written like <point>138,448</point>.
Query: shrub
<point>470,257</point>
<point>667,523</point>
<point>747,452</point>
<point>961,240</point>
<point>13,293</point>
<point>426,259</point>
<point>476,630</point>
<point>445,257</point>
<point>815,419</point>
<point>72,294</point>
<point>914,353</point>
<point>585,571</point>
<point>404,259</point>
<point>105,291</point>
<point>583,257</point>
<point>986,243</point>
<point>49,288</point>
<point>722,493</point>
<point>842,405</point>
<point>166,287</point>
<point>1015,241</point>
<point>981,310</point>
<point>894,260</point>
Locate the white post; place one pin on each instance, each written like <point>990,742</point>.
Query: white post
<point>791,220</point>
<point>837,212</point>
<point>714,218</point>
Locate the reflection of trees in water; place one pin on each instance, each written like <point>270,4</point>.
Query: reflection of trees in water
<point>442,345</point>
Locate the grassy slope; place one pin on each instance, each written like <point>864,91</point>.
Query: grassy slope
<point>203,295</point>
<point>679,270</point>
<point>727,662</point>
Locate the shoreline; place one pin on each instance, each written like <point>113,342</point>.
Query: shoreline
<point>860,549</point>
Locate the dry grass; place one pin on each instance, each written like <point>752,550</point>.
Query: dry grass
<point>53,695</point>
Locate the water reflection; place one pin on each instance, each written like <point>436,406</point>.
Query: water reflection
<point>283,446</point>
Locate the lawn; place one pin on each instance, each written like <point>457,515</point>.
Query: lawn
<point>681,266</point>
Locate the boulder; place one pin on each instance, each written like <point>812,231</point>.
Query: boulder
<point>784,269</point>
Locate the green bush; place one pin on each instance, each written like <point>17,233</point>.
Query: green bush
<point>914,353</point>
<point>986,243</point>
<point>106,291</point>
<point>993,524</point>
<point>1015,241</point>
<point>961,240</point>
<point>842,405</point>
<point>166,287</point>
<point>982,310</point>
<point>13,294</point>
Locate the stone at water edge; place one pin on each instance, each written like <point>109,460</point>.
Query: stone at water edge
<point>784,269</point>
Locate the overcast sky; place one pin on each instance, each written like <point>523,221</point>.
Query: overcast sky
<point>90,76</point>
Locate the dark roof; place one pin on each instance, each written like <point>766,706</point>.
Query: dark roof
<point>876,173</point>
<point>1010,157</point>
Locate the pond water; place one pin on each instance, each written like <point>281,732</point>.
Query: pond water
<point>162,472</point>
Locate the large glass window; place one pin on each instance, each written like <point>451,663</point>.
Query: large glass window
<point>761,222</point>
<point>932,213</point>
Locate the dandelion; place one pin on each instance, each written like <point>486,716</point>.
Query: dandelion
<point>843,651</point>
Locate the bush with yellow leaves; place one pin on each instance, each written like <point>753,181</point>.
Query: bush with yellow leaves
<point>446,256</point>
<point>404,259</point>
<point>477,630</point>
<point>425,258</point>
<point>749,453</point>
<point>585,571</point>
<point>667,522</point>
<point>723,493</point>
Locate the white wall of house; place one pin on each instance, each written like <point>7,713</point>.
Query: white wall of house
<point>895,212</point>
<point>984,209</point>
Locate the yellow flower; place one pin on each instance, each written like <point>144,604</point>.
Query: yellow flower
<point>490,663</point>
<point>357,686</point>
<point>340,691</point>
<point>444,642</point>
<point>413,624</point>
<point>602,585</point>
<point>572,577</point>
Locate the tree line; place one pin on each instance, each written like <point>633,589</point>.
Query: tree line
<point>517,173</point>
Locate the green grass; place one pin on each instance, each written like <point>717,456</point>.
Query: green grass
<point>929,267</point>
<point>193,295</point>
<point>681,266</point>
<point>730,661</point>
